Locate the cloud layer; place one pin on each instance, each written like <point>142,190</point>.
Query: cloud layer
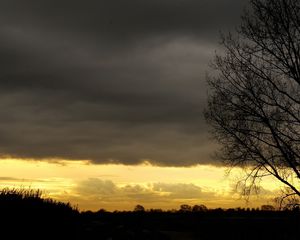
<point>95,193</point>
<point>105,193</point>
<point>109,81</point>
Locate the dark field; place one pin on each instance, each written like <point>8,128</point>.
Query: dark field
<point>214,224</point>
<point>27,215</point>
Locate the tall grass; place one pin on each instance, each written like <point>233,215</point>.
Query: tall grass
<point>30,197</point>
<point>19,194</point>
<point>30,213</point>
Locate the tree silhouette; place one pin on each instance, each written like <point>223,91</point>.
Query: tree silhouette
<point>139,208</point>
<point>254,101</point>
<point>199,208</point>
<point>267,208</point>
<point>185,208</point>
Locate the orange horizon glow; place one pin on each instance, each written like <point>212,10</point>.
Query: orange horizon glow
<point>121,187</point>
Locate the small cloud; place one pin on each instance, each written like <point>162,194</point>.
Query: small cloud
<point>13,179</point>
<point>180,190</point>
<point>95,186</point>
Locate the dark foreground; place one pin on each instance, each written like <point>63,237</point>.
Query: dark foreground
<point>152,225</point>
<point>214,224</point>
<point>34,218</point>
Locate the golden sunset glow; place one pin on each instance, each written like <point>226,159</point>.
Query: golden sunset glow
<point>119,187</point>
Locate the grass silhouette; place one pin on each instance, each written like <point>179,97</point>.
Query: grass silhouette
<point>31,198</point>
<point>25,213</point>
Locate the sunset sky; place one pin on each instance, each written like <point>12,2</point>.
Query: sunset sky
<point>102,102</point>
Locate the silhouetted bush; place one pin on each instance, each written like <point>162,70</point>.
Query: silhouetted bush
<point>199,208</point>
<point>185,208</point>
<point>25,213</point>
<point>139,208</point>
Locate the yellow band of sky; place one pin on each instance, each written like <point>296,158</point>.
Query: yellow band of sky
<point>121,187</point>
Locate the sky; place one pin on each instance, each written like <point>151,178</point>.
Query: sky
<point>93,93</point>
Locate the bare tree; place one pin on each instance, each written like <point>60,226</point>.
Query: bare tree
<point>254,100</point>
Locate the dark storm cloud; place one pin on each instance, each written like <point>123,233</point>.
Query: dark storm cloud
<point>130,19</point>
<point>110,81</point>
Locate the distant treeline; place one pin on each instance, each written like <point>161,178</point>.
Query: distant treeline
<point>25,214</point>
<point>185,208</point>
